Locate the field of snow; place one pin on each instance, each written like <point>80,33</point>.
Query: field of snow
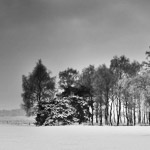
<point>17,120</point>
<point>74,138</point>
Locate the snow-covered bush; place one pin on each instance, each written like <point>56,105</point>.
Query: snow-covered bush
<point>57,112</point>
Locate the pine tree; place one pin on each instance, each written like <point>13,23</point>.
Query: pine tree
<point>58,112</point>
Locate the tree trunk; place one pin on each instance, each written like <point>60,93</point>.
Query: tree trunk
<point>114,115</point>
<point>96,118</point>
<point>119,112</point>
<point>131,120</point>
<point>106,115</point>
<point>139,116</point>
<point>106,108</point>
<point>144,118</point>
<point>124,118</point>
<point>134,116</point>
<point>92,116</point>
<point>110,114</point>
<point>127,116</point>
<point>96,111</point>
<point>101,114</point>
<point>149,118</point>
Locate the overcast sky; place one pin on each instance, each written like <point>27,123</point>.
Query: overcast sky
<point>67,33</point>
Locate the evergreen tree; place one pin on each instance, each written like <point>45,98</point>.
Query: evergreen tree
<point>69,83</point>
<point>58,112</point>
<point>81,108</point>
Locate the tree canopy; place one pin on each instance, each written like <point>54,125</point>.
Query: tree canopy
<point>114,95</point>
<point>38,86</point>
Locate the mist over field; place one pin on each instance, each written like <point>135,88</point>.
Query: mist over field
<point>14,112</point>
<point>74,138</point>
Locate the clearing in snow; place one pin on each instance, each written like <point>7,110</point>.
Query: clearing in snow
<point>74,138</point>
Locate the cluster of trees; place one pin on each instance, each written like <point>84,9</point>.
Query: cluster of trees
<point>119,94</point>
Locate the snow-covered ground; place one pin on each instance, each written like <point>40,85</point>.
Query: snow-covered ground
<point>17,120</point>
<point>74,138</point>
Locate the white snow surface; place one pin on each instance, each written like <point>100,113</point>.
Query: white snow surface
<point>74,138</point>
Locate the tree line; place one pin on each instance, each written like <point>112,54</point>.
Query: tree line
<point>114,95</point>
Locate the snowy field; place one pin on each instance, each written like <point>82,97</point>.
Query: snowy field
<point>17,120</point>
<point>74,138</point>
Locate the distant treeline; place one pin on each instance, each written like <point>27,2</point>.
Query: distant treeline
<point>14,112</point>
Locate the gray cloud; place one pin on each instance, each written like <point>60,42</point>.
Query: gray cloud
<point>29,11</point>
<point>100,19</point>
<point>108,13</point>
<point>67,24</point>
<point>67,33</point>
